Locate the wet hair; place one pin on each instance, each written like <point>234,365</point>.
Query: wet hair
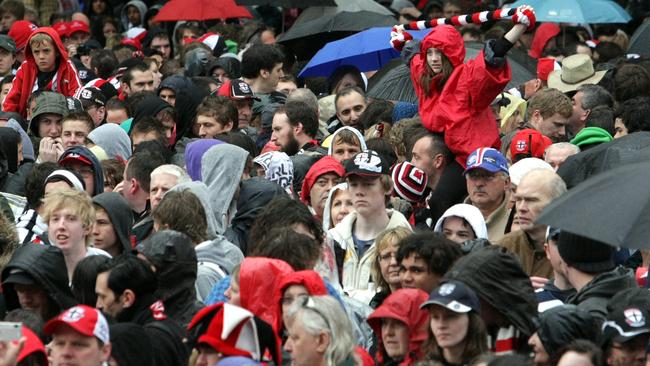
<point>583,347</point>
<point>182,211</point>
<point>84,278</point>
<point>299,250</point>
<point>35,183</point>
<point>377,111</point>
<point>382,147</point>
<point>601,116</point>
<point>434,249</point>
<point>140,166</point>
<point>221,108</point>
<point>104,61</point>
<point>147,125</point>
<point>282,212</point>
<point>635,113</point>
<point>401,133</point>
<point>42,38</point>
<point>80,116</point>
<point>346,137</point>
<point>631,81</point>
<point>128,73</point>
<point>132,273</point>
<point>260,57</point>
<point>301,112</point>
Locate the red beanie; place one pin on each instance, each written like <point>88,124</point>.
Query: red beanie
<point>326,164</point>
<point>20,32</point>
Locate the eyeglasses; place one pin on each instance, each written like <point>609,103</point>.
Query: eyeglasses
<point>386,257</point>
<point>308,303</point>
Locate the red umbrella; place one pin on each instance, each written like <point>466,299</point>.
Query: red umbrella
<point>201,10</point>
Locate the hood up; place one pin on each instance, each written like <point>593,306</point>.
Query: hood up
<point>113,139</point>
<point>470,213</point>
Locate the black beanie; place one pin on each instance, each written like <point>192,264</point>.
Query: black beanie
<point>584,254</point>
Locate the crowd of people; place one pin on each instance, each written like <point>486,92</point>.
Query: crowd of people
<point>174,194</point>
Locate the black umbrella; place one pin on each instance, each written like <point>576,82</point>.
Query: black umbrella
<point>394,83</point>
<point>288,3</point>
<point>632,148</point>
<point>640,40</point>
<point>306,38</point>
<point>612,207</point>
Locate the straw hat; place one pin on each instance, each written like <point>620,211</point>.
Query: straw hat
<point>576,70</point>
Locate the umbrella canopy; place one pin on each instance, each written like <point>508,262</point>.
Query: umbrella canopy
<point>640,40</point>
<point>288,3</point>
<point>395,83</point>
<point>628,149</point>
<point>612,207</point>
<point>576,11</point>
<point>367,50</point>
<point>201,10</point>
<point>317,12</point>
<point>306,38</point>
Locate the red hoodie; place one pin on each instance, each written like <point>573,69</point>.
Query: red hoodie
<point>326,164</point>
<point>462,109</point>
<point>311,280</point>
<point>65,81</point>
<point>543,34</point>
<point>403,305</point>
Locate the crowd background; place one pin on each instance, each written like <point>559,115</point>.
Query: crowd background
<point>206,183</point>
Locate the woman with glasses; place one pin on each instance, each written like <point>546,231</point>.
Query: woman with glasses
<point>320,333</point>
<point>385,269</point>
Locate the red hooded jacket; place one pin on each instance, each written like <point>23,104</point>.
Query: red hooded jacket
<point>326,164</point>
<point>66,80</point>
<point>403,305</point>
<point>310,279</point>
<point>543,34</point>
<point>461,110</point>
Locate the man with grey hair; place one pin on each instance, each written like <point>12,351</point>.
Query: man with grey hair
<point>557,153</point>
<point>164,178</point>
<point>535,191</point>
<point>586,98</point>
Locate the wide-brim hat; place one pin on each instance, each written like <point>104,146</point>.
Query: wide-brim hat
<point>576,70</point>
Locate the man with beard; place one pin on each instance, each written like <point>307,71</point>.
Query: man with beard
<point>294,128</point>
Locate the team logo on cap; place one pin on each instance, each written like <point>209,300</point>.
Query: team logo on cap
<point>244,87</point>
<point>634,317</point>
<point>86,94</point>
<point>369,162</point>
<point>472,159</point>
<point>521,146</point>
<point>73,315</point>
<point>447,289</point>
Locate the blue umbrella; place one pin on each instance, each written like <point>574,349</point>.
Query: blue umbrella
<point>577,11</point>
<point>367,50</point>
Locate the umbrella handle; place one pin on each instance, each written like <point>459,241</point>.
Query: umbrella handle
<point>458,20</point>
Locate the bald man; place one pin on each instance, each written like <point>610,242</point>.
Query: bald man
<point>535,191</point>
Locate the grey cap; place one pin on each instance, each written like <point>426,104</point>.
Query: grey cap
<point>48,102</point>
<point>7,43</point>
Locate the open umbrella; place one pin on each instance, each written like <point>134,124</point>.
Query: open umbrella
<point>640,40</point>
<point>201,10</point>
<point>306,38</point>
<point>628,149</point>
<point>576,11</point>
<point>395,83</point>
<point>367,50</point>
<point>612,207</point>
<point>288,3</point>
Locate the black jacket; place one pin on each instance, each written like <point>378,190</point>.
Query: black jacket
<point>45,264</point>
<point>497,277</point>
<point>97,168</point>
<point>254,195</point>
<point>175,260</point>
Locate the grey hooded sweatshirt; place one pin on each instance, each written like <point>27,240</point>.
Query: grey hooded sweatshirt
<point>216,256</point>
<point>142,7</point>
<point>113,139</point>
<point>221,169</point>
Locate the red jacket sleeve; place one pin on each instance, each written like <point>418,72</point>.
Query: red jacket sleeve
<point>12,100</point>
<point>71,83</point>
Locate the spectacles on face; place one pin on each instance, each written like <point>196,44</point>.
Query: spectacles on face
<point>480,174</point>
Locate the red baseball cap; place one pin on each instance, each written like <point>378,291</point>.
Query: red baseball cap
<point>20,31</point>
<point>72,157</point>
<point>237,89</point>
<point>78,26</point>
<point>545,66</point>
<point>528,143</point>
<point>62,28</point>
<point>83,319</point>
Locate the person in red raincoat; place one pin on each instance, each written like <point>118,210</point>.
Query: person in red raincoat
<point>397,318</point>
<point>455,97</point>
